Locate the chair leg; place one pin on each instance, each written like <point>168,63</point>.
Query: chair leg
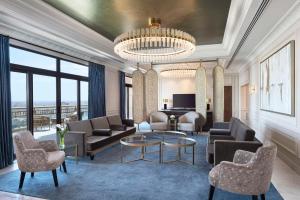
<point>262,196</point>
<point>254,197</point>
<point>211,192</point>
<point>55,177</point>
<point>32,174</point>
<point>22,177</point>
<point>64,166</point>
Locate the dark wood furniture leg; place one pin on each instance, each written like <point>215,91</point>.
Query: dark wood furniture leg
<point>55,177</point>
<point>211,192</point>
<point>254,197</point>
<point>32,174</point>
<point>22,177</point>
<point>263,197</point>
<point>64,166</point>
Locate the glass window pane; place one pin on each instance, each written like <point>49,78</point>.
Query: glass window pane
<point>84,92</point>
<point>73,68</point>
<point>44,105</point>
<point>68,100</point>
<point>18,101</point>
<point>27,58</point>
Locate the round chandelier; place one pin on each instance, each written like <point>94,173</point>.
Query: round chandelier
<point>154,44</point>
<point>178,73</point>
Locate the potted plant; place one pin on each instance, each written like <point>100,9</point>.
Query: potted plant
<point>61,134</point>
<point>172,118</point>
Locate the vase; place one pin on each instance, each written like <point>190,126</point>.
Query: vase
<point>61,142</point>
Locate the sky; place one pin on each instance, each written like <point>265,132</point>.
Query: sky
<point>44,87</point>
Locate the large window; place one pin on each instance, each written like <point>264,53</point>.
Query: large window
<point>27,58</point>
<point>46,90</point>
<point>44,105</point>
<point>18,101</point>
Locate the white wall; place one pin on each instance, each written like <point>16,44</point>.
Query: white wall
<point>112,91</point>
<point>170,86</point>
<point>281,129</point>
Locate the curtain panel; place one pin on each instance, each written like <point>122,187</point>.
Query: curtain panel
<point>6,143</point>
<point>122,95</point>
<point>97,105</point>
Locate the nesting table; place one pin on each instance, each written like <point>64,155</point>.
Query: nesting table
<point>162,139</point>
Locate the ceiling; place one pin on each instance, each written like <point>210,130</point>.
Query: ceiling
<point>204,19</point>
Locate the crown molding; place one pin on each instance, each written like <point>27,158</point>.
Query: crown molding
<point>37,22</point>
<point>286,25</point>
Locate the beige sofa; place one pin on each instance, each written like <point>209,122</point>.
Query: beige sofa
<point>94,134</point>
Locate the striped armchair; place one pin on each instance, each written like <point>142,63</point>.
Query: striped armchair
<point>35,156</point>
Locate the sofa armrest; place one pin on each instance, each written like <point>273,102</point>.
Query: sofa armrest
<point>214,131</point>
<point>221,125</point>
<point>224,150</point>
<point>79,138</point>
<point>212,138</point>
<point>128,122</point>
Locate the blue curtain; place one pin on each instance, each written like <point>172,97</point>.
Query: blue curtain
<point>96,90</point>
<point>6,144</point>
<point>122,95</point>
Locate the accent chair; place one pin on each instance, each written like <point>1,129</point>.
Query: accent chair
<point>191,122</point>
<point>35,156</point>
<point>248,174</point>
<point>158,121</point>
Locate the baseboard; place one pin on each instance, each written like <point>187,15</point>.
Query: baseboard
<point>291,160</point>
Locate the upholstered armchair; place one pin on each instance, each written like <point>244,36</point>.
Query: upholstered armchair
<point>35,156</point>
<point>248,174</point>
<point>191,122</point>
<point>158,121</point>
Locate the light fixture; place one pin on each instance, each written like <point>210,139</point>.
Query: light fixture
<point>178,73</point>
<point>154,44</point>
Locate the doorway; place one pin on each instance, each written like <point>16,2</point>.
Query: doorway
<point>227,103</point>
<point>244,102</point>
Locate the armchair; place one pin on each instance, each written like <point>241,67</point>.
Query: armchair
<point>158,121</point>
<point>34,156</point>
<point>191,121</point>
<point>248,174</point>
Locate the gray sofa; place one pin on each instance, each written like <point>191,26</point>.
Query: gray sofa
<point>226,138</point>
<point>92,135</point>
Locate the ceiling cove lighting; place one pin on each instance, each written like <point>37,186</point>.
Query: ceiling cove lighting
<point>154,44</point>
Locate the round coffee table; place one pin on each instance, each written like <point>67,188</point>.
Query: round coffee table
<point>179,143</point>
<point>141,141</point>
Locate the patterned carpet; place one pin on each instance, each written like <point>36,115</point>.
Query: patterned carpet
<point>106,178</point>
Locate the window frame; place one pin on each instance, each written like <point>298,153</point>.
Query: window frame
<point>30,71</point>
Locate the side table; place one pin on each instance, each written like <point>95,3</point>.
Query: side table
<point>172,125</point>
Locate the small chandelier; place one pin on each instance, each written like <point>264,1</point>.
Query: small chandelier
<point>178,73</point>
<point>154,44</point>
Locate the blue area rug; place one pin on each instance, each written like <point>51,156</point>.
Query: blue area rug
<point>106,178</point>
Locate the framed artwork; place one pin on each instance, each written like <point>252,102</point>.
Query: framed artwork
<point>277,81</point>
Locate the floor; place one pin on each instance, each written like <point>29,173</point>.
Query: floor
<point>284,179</point>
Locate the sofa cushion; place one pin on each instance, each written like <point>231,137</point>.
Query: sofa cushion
<point>100,123</point>
<point>244,133</point>
<point>81,126</point>
<point>162,126</point>
<point>95,142</point>
<point>102,132</point>
<point>186,126</point>
<point>114,120</point>
<point>115,127</point>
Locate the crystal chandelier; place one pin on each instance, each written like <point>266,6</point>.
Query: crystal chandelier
<point>154,44</point>
<point>178,73</point>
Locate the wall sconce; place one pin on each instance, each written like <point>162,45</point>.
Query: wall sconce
<point>252,89</point>
<point>208,101</point>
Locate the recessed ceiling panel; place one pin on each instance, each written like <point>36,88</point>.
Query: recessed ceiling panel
<point>204,19</point>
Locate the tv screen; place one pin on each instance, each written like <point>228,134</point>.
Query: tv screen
<point>184,101</point>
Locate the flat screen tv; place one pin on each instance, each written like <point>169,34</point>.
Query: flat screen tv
<point>184,101</point>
